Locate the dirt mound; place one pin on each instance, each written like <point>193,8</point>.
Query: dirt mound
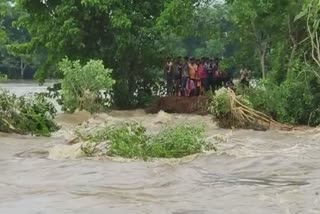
<point>180,105</point>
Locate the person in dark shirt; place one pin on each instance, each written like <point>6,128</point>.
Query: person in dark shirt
<point>169,76</point>
<point>217,75</point>
<point>210,69</point>
<point>178,68</point>
<point>184,75</point>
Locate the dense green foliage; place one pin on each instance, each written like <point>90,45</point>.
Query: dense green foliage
<point>278,40</point>
<point>83,87</point>
<point>130,140</point>
<point>3,77</point>
<point>220,105</point>
<point>294,101</point>
<point>121,33</point>
<point>13,63</point>
<point>26,115</point>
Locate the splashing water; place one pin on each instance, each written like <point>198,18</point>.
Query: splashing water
<point>252,172</point>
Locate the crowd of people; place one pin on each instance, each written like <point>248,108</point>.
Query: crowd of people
<point>194,77</point>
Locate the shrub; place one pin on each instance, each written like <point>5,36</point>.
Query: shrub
<point>130,140</point>
<point>82,86</point>
<point>293,101</point>
<point>3,77</point>
<point>220,103</point>
<point>264,97</point>
<point>26,115</point>
<point>176,142</point>
<point>223,107</point>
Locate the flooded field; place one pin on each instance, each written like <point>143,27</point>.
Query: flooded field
<point>252,172</point>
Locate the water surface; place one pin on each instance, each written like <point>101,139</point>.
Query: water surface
<point>253,172</point>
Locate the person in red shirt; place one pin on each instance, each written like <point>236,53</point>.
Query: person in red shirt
<point>203,75</point>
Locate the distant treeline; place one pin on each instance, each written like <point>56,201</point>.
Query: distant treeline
<point>15,73</point>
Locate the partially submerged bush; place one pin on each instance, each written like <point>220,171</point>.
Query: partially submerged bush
<point>220,105</point>
<point>176,142</point>
<point>130,140</point>
<point>232,111</point>
<point>221,108</point>
<point>26,115</point>
<point>82,86</point>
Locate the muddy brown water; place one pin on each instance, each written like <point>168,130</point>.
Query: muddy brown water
<point>252,172</point>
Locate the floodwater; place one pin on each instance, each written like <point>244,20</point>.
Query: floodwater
<point>252,173</point>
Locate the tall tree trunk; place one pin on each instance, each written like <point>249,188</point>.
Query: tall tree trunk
<point>131,80</point>
<point>262,56</point>
<point>294,44</point>
<point>22,68</point>
<point>262,48</point>
<point>262,64</point>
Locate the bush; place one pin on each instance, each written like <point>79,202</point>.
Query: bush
<point>82,86</point>
<point>264,97</point>
<point>32,115</point>
<point>3,77</point>
<point>127,140</point>
<point>220,105</point>
<point>223,107</point>
<point>176,142</point>
<point>130,140</point>
<point>294,101</point>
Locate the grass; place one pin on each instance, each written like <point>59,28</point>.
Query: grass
<point>130,140</point>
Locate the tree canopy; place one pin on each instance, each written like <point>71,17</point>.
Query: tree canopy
<point>132,37</point>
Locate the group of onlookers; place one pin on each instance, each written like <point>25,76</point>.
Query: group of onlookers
<point>193,77</point>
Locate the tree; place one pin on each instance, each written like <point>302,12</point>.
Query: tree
<point>121,33</point>
<point>311,13</point>
<point>9,35</point>
<point>255,22</point>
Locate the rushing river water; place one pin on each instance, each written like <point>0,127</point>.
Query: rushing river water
<point>252,173</point>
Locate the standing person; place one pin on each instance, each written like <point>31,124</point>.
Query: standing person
<point>177,76</point>
<point>184,75</point>
<point>191,83</point>
<point>169,75</point>
<point>195,78</point>
<point>209,68</point>
<point>198,80</point>
<point>203,75</point>
<point>244,76</point>
<point>217,74</point>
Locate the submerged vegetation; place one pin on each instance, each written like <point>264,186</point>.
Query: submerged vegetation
<point>130,140</point>
<point>26,115</point>
<point>237,111</point>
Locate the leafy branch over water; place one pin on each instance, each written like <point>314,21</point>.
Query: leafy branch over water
<point>26,115</point>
